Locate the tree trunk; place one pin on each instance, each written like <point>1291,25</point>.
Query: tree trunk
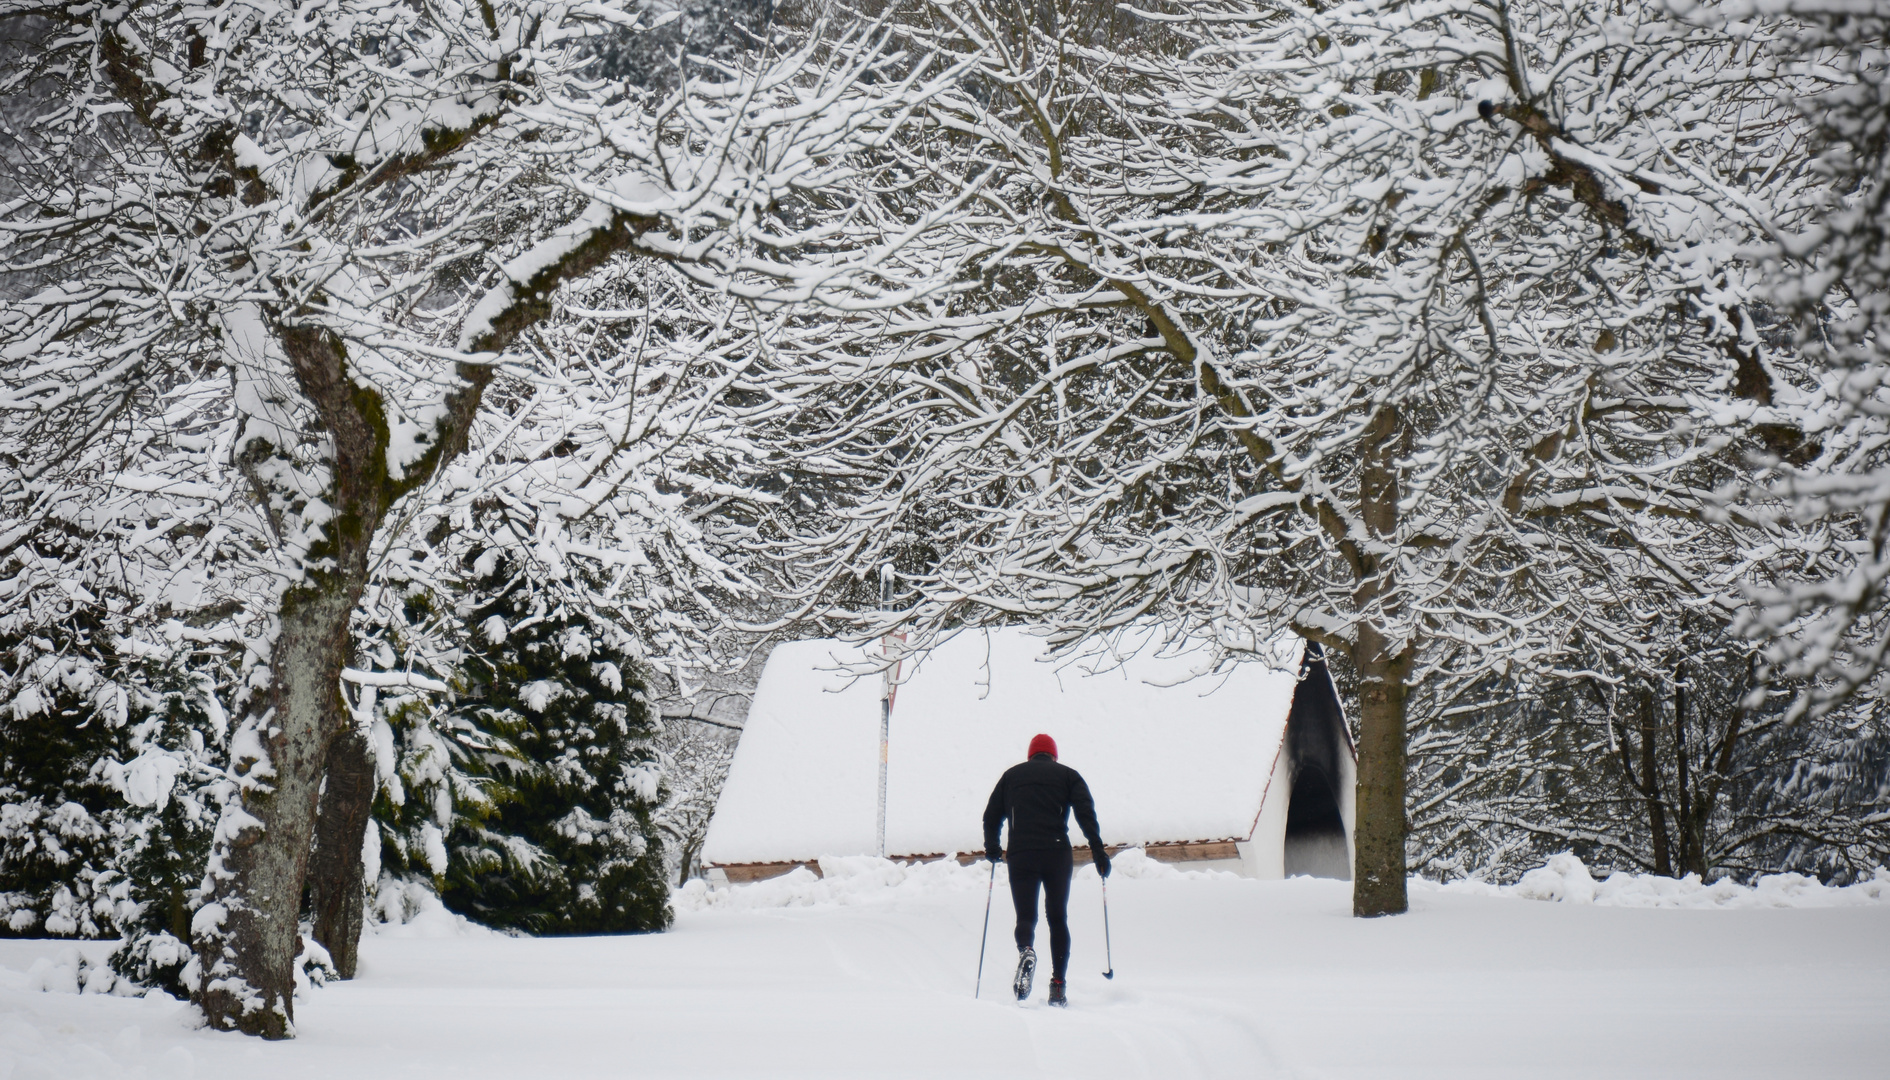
<point>247,940</point>
<point>1716,765</point>
<point>1650,787</point>
<point>689,850</point>
<point>1378,828</point>
<point>246,935</point>
<point>1378,831</point>
<point>1693,814</point>
<point>337,877</point>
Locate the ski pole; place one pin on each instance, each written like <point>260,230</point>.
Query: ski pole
<point>1108,953</point>
<point>986,936</point>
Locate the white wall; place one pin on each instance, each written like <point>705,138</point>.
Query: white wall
<point>1264,856</point>
<point>1348,803</point>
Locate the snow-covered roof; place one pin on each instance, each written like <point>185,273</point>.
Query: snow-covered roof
<point>1169,758</point>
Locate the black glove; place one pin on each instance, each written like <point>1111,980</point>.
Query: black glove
<point>1102,862</point>
<point>994,855</point>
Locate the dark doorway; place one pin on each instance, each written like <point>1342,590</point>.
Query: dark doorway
<point>1316,745</point>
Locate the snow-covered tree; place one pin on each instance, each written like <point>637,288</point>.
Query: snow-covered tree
<point>696,754</point>
<point>176,790</point>
<point>1406,328</point>
<point>1709,771</point>
<point>1829,268</point>
<point>277,258</point>
<point>54,831</point>
<point>1666,757</point>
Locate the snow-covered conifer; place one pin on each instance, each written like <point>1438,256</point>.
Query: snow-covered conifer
<point>568,845</point>
<point>176,789</point>
<point>113,784</point>
<point>55,821</point>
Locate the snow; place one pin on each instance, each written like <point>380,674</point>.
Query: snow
<point>406,909</point>
<point>1565,879</point>
<point>146,780</point>
<point>1167,759</point>
<point>869,971</point>
<point>521,270</point>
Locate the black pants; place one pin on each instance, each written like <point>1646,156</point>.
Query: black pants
<point>1051,870</point>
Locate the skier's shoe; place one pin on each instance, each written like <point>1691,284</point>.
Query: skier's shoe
<point>1056,994</point>
<point>1026,968</point>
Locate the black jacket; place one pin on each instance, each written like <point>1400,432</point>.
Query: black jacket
<point>1037,797</point>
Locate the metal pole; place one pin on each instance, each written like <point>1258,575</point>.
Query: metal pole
<point>885,703</point>
<point>987,930</point>
<point>1108,952</point>
<point>885,732</point>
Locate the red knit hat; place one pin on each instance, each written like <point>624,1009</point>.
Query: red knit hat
<point>1043,744</point>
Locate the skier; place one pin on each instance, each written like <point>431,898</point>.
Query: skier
<point>1037,797</point>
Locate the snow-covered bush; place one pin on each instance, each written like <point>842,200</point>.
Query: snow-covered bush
<point>427,784</point>
<point>176,787</point>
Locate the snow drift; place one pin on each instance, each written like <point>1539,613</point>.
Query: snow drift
<point>1566,879</point>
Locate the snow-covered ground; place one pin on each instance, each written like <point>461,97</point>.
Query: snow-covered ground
<point>869,973</point>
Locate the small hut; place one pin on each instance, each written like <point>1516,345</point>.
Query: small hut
<point>1247,768</point>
